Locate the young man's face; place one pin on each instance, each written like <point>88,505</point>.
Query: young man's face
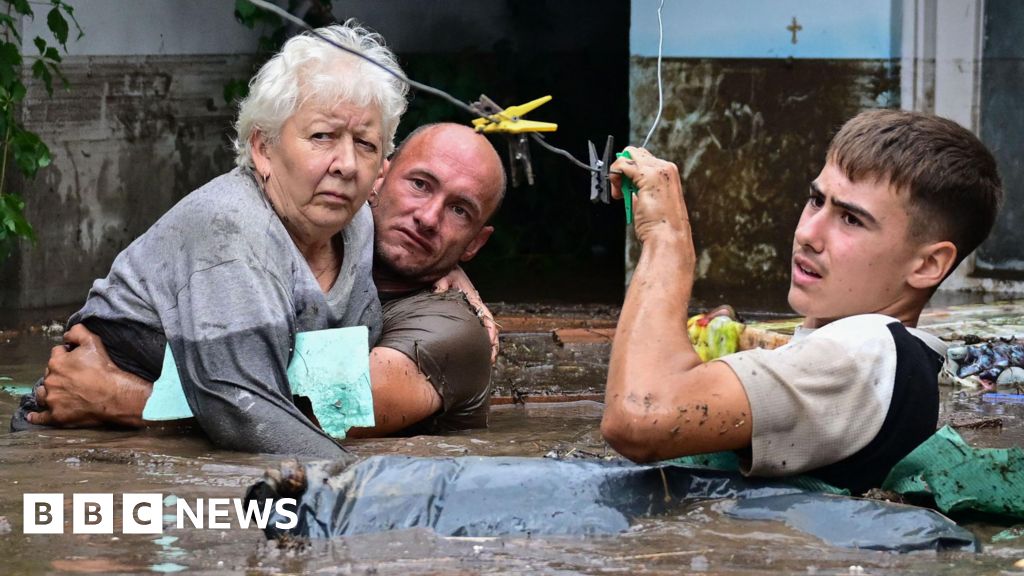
<point>852,252</point>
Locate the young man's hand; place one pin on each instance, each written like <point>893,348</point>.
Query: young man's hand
<point>83,387</point>
<point>658,205</point>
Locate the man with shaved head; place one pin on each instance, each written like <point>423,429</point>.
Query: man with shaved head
<point>430,371</point>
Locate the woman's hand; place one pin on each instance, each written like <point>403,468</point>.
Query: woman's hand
<point>458,280</point>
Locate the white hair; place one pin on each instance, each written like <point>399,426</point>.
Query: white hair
<point>307,68</point>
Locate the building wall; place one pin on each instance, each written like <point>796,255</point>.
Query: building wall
<point>143,123</point>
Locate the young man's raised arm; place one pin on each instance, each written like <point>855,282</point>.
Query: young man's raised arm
<point>661,401</point>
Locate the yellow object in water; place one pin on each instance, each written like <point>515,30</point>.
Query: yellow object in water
<point>714,338</point>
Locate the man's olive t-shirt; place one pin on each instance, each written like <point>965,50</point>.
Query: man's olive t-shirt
<point>449,344</point>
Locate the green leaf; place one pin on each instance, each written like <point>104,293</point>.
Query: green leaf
<point>21,7</point>
<point>59,26</point>
<point>17,92</point>
<point>12,218</point>
<point>70,11</point>
<point>10,63</point>
<point>39,70</point>
<point>245,11</point>
<point>63,79</point>
<point>40,44</point>
<point>7,22</point>
<point>30,153</point>
<point>235,90</point>
<point>52,54</point>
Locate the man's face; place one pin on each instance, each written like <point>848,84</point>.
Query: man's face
<point>852,253</point>
<point>433,202</point>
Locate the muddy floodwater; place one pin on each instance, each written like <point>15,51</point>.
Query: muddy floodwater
<point>172,461</point>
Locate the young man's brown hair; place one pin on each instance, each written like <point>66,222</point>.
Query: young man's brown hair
<point>954,184</point>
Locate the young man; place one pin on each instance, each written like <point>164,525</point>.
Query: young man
<point>902,199</point>
<point>430,371</point>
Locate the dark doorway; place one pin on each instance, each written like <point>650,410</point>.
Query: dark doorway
<point>1002,129</point>
<point>551,244</point>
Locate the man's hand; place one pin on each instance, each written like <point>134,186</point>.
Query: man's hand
<point>458,280</point>
<point>83,387</point>
<point>658,206</point>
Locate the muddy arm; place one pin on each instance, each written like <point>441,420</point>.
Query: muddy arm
<point>661,402</point>
<point>83,387</point>
<point>402,396</point>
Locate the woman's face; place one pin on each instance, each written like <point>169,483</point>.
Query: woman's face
<point>322,167</point>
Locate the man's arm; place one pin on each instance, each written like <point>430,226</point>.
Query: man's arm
<point>661,401</point>
<point>402,395</point>
<point>83,387</point>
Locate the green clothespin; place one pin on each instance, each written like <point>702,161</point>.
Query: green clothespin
<point>628,189</point>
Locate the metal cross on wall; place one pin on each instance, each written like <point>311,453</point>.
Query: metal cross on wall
<point>794,28</point>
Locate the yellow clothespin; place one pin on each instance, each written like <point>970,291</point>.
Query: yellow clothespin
<point>510,119</point>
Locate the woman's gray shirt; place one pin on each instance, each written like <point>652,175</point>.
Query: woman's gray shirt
<point>220,280</point>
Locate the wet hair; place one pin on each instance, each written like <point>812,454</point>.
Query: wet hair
<point>307,68</point>
<point>421,130</point>
<point>952,179</point>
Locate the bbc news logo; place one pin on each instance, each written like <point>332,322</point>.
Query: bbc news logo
<point>144,513</point>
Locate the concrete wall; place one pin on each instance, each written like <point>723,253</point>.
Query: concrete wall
<point>143,123</point>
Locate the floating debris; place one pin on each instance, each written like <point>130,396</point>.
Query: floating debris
<point>987,365</point>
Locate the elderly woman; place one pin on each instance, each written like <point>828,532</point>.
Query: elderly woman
<point>280,245</point>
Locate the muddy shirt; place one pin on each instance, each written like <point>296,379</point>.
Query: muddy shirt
<point>844,402</point>
<point>220,280</point>
<point>449,344</point>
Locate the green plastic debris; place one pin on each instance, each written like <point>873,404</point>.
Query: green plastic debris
<point>167,400</point>
<point>628,189</point>
<point>330,367</point>
<point>961,478</point>
<point>729,462</point>
<point>1009,534</point>
<point>16,390</point>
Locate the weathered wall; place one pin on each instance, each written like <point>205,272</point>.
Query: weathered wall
<point>133,136</point>
<point>143,123</point>
<point>748,137</point>
<point>800,69</point>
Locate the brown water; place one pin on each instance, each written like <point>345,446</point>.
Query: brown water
<point>172,461</point>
